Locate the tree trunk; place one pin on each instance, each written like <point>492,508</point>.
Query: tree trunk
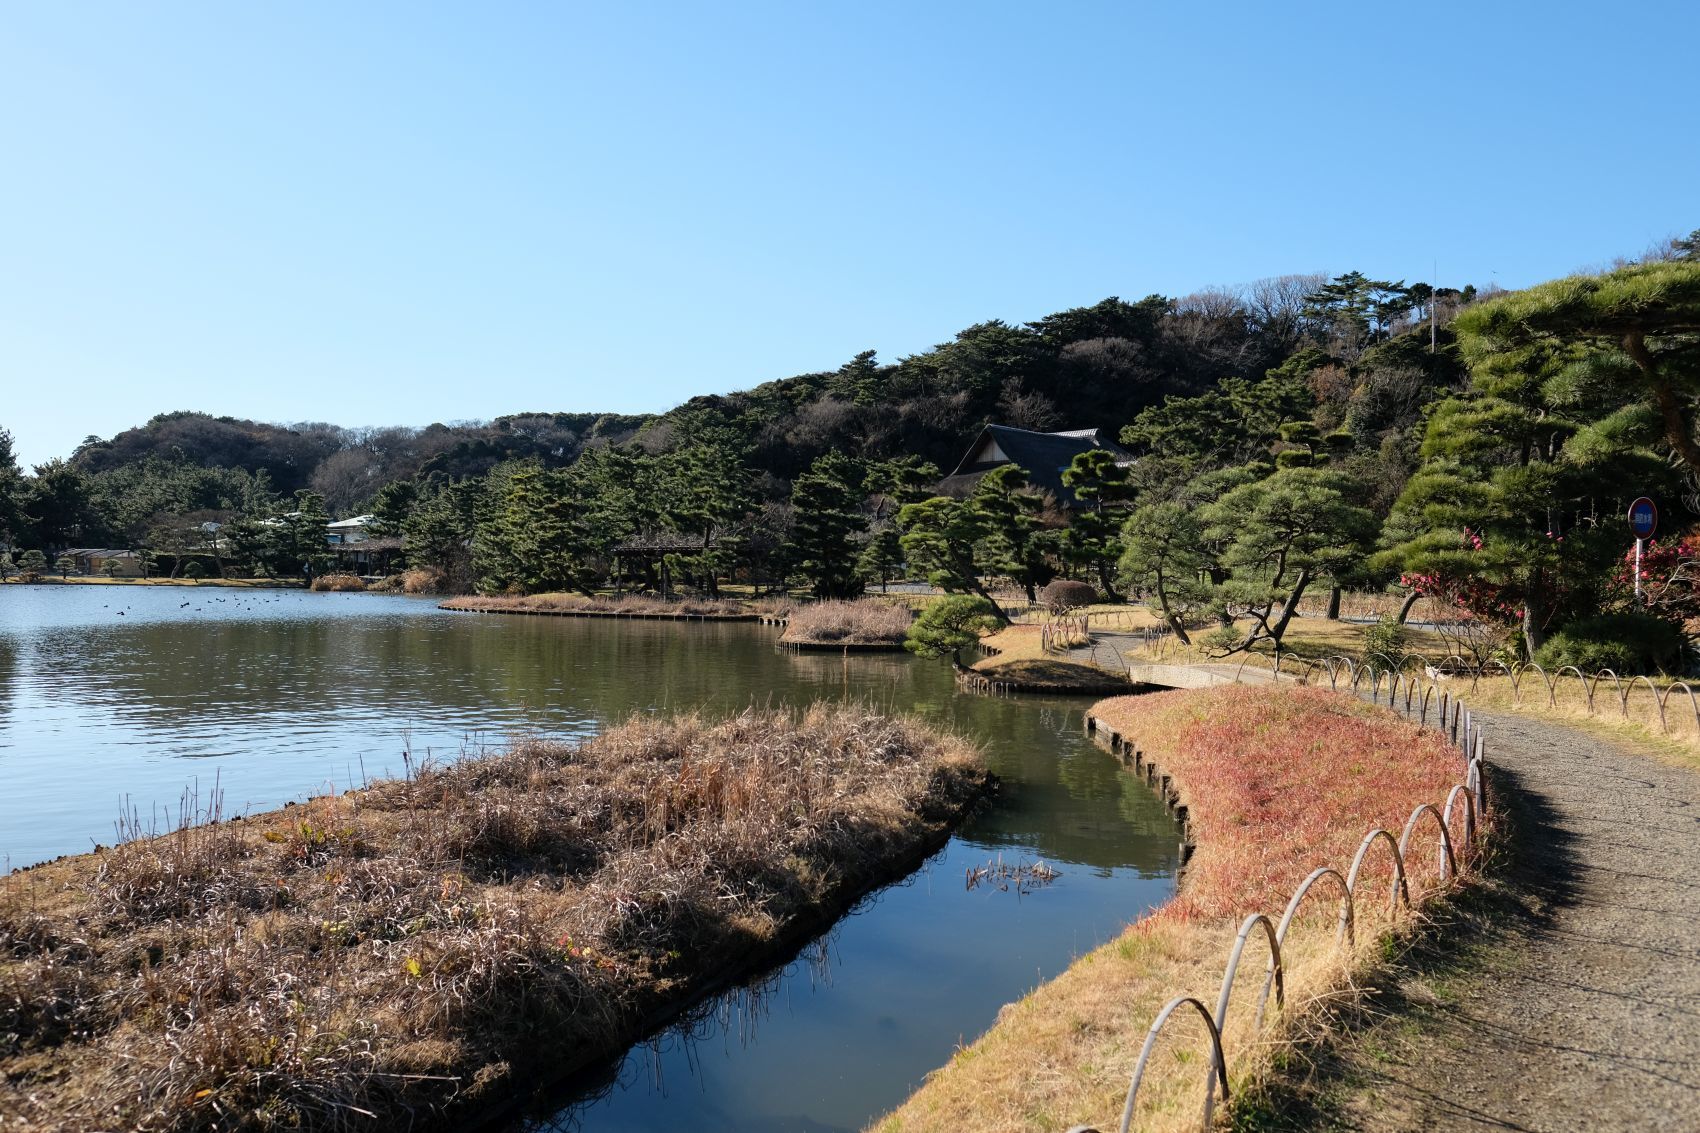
<point>1677,430</point>
<point>1290,608</point>
<point>1106,584</point>
<point>1333,604</point>
<point>981,591</point>
<point>1411,599</point>
<point>1169,615</point>
<point>1534,628</point>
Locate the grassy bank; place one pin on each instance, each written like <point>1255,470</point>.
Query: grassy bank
<point>1276,782</point>
<point>868,622</point>
<point>1019,657</point>
<point>608,605</point>
<point>401,954</point>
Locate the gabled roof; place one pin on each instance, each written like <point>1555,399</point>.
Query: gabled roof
<point>1045,456</point>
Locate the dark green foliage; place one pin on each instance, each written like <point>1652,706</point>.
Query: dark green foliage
<point>1093,542</point>
<point>1014,543</point>
<point>536,539</point>
<point>1280,534</point>
<point>1627,643</point>
<point>940,537</point>
<point>882,559</point>
<point>952,624</point>
<point>12,521</point>
<point>827,504</point>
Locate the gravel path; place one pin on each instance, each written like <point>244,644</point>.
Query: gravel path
<point>1571,997</point>
<point>1567,996</point>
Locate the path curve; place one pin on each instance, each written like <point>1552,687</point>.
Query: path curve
<point>1584,1011</point>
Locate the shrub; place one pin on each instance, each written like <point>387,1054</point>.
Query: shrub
<point>193,569</point>
<point>424,580</point>
<point>1624,643</point>
<point>338,582</point>
<point>1386,637</point>
<point>1222,639</point>
<point>950,625</point>
<point>1063,595</point>
<point>31,563</point>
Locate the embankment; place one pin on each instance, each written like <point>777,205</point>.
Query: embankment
<point>417,951</point>
<point>1275,782</point>
<point>604,606</point>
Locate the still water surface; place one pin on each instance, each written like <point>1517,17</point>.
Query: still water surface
<point>114,697</point>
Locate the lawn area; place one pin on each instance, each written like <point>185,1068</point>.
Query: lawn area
<point>1021,659</point>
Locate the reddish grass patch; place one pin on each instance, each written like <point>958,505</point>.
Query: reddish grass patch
<point>1280,781</point>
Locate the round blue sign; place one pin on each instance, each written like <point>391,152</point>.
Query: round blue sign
<point>1643,518</point>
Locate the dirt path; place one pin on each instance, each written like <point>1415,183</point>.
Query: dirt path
<point>1566,996</point>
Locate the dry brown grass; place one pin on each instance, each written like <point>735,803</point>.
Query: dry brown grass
<point>865,622</point>
<point>1277,782</point>
<point>629,604</point>
<point>424,580</point>
<point>379,958</point>
<point>338,582</point>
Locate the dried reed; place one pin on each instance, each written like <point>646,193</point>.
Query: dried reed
<point>380,958</point>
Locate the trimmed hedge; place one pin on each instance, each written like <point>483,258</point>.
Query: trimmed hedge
<point>1624,643</point>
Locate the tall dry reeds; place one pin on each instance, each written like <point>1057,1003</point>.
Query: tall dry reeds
<point>379,958</point>
<point>337,582</point>
<point>629,604</point>
<point>867,621</point>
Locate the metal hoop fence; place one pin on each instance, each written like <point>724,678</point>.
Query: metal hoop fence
<point>1456,850</point>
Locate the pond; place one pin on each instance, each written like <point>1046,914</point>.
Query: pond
<point>118,699</point>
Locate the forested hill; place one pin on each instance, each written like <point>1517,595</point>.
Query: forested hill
<point>1096,366</point>
<point>1336,343</point>
<point>347,466</point>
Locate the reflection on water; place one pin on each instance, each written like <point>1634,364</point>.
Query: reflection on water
<point>108,693</point>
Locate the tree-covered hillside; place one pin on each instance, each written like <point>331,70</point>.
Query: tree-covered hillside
<point>1298,433</point>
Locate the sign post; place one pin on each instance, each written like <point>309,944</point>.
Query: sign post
<point>1643,521</point>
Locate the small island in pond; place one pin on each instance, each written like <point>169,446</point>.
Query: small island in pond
<point>405,950</point>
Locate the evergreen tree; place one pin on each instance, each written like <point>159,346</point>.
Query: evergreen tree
<point>1015,542</point>
<point>941,536</point>
<point>1093,540</point>
<point>950,625</point>
<point>827,519</point>
<point>1279,535</point>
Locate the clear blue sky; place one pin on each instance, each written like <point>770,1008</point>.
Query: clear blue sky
<point>398,213</point>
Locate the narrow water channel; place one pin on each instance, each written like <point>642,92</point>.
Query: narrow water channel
<point>115,697</point>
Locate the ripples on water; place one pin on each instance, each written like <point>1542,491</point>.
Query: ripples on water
<point>111,693</point>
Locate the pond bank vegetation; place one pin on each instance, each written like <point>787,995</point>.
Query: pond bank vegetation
<point>610,605</point>
<point>865,622</point>
<point>1276,782</point>
<point>407,952</point>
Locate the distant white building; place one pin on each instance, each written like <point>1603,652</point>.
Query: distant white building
<point>355,530</point>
